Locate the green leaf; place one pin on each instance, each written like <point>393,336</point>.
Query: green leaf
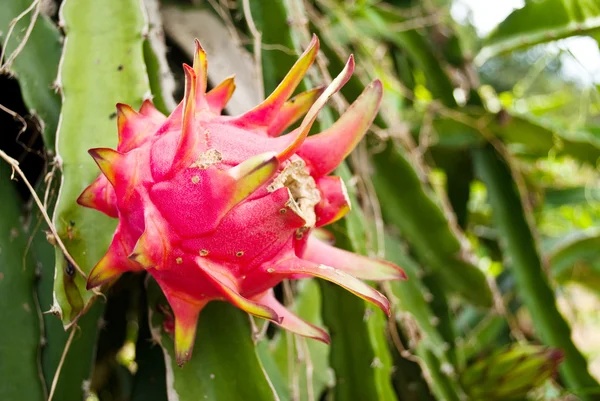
<point>19,313</point>
<point>541,21</point>
<point>407,204</point>
<point>97,71</point>
<point>36,65</point>
<point>519,247</point>
<point>224,365</point>
<point>294,355</point>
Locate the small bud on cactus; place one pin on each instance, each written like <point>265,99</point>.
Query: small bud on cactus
<point>222,208</point>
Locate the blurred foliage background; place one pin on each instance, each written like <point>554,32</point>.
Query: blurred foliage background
<point>479,177</point>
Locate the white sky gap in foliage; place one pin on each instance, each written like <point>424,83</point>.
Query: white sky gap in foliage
<point>584,63</point>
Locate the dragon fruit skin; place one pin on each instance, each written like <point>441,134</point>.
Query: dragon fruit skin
<point>222,208</point>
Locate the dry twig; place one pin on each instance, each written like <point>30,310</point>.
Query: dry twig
<point>257,46</point>
<point>15,166</point>
<point>61,362</point>
<point>4,67</point>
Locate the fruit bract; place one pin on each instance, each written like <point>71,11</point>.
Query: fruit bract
<point>221,208</point>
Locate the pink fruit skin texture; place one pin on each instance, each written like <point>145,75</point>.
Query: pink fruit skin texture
<point>221,208</point>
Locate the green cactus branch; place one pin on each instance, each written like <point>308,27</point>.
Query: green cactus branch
<point>19,311</point>
<point>518,242</point>
<point>118,58</point>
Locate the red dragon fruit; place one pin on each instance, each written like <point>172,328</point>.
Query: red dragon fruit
<point>222,208</point>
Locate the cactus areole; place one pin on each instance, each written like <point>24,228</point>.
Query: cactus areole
<point>221,208</point>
